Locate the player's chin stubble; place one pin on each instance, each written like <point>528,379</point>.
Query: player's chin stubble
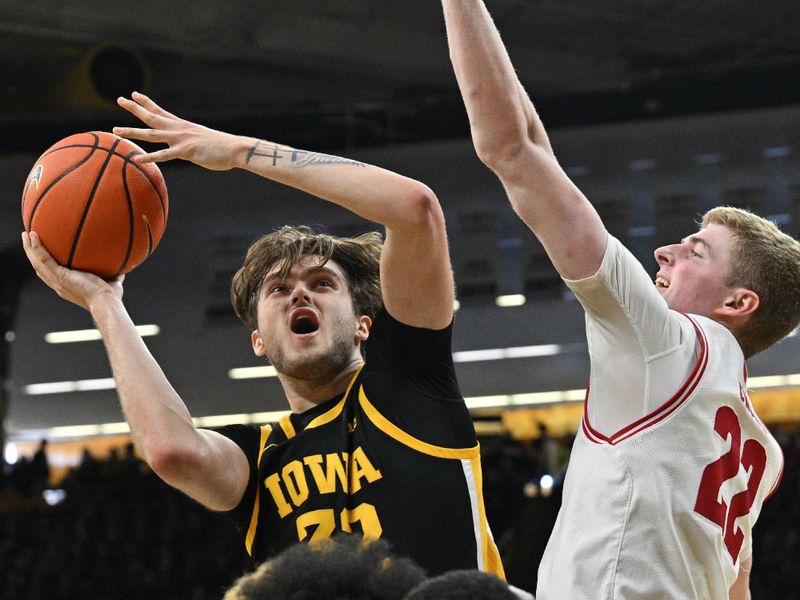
<point>322,365</point>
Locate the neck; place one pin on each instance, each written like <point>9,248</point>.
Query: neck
<point>303,394</point>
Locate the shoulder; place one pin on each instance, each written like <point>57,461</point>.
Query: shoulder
<point>247,436</point>
<point>620,279</point>
<point>711,331</point>
<point>385,321</point>
<point>390,336</point>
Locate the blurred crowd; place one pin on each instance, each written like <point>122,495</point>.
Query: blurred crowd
<point>111,528</point>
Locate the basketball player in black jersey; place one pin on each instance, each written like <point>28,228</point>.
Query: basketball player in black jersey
<point>379,443</point>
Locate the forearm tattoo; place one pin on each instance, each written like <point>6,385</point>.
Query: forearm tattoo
<point>296,158</point>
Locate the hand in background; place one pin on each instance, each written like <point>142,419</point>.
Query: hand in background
<point>208,148</point>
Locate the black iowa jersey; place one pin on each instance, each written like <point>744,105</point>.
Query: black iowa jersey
<point>396,457</point>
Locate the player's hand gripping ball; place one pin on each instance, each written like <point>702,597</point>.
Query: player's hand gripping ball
<point>94,208</point>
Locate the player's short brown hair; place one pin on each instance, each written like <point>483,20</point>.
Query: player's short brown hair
<point>766,261</point>
<point>359,257</point>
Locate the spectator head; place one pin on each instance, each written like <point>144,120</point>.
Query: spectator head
<point>341,568</point>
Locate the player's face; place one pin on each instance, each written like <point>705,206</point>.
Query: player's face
<point>306,324</point>
<point>692,273</point>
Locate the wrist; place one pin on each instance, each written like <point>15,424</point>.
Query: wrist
<point>104,304</point>
<point>243,152</point>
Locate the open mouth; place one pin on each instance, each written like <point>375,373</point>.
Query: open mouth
<point>303,321</point>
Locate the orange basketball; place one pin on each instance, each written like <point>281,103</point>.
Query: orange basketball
<point>93,207</point>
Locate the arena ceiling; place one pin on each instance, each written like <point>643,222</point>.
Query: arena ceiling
<point>347,73</point>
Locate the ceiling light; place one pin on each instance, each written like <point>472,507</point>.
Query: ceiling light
<point>220,420</point>
<point>252,372</point>
<point>510,300</point>
<point>773,381</point>
<point>777,152</point>
<point>63,387</point>
<point>486,401</point>
<point>88,335</point>
<point>504,353</point>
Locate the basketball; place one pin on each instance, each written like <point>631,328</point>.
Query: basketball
<point>94,208</point>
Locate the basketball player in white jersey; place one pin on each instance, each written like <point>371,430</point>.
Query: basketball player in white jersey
<point>671,463</point>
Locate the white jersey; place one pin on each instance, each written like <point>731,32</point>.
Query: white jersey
<point>662,506</point>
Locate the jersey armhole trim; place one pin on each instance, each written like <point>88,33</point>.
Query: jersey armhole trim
<point>488,556</point>
<point>251,529</point>
<point>409,440</point>
<point>663,411</point>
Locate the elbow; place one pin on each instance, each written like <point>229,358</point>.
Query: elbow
<point>499,151</point>
<point>171,462</point>
<point>422,209</point>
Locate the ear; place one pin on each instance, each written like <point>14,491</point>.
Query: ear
<point>741,302</point>
<point>259,349</point>
<point>364,325</point>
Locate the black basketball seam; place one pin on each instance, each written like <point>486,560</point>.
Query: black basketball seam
<point>126,158</point>
<point>110,153</point>
<point>131,224</point>
<point>59,178</point>
<point>68,146</point>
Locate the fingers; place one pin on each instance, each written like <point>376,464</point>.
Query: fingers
<point>161,125</point>
<point>139,111</point>
<point>40,258</point>
<point>145,135</point>
<point>30,241</point>
<point>139,133</point>
<point>75,286</point>
<point>148,135</point>
<point>154,108</point>
<point>159,156</point>
<point>145,109</point>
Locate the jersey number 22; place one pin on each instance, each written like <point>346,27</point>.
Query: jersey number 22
<point>750,455</point>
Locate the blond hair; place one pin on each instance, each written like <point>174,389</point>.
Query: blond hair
<point>766,261</point>
<point>359,257</point>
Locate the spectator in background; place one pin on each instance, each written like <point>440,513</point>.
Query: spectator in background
<point>40,468</point>
<point>352,568</point>
<point>339,567</point>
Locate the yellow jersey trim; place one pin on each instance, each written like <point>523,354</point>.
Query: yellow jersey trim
<point>251,530</point>
<point>286,424</point>
<point>491,555</point>
<point>406,439</point>
<point>336,410</point>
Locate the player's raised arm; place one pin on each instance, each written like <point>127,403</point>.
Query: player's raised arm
<point>202,464</point>
<point>416,276</point>
<point>510,139</point>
